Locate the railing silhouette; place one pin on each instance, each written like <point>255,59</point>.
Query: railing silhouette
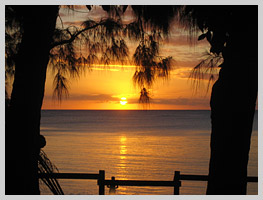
<point>113,184</point>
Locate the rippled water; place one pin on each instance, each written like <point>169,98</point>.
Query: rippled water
<point>133,145</point>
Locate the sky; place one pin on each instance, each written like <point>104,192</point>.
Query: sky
<point>112,87</point>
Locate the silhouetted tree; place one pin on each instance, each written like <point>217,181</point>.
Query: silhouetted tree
<point>23,115</point>
<point>233,103</point>
<point>33,42</point>
<point>232,32</point>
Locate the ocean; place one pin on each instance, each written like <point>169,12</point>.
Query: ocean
<point>133,145</point>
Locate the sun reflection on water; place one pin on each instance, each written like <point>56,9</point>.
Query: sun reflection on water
<point>123,139</point>
<point>123,152</point>
<point>123,147</point>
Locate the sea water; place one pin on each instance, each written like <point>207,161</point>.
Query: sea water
<point>133,145</point>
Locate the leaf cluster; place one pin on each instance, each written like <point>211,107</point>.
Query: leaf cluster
<point>213,21</point>
<point>206,69</point>
<point>13,34</point>
<point>77,49</point>
<point>45,166</point>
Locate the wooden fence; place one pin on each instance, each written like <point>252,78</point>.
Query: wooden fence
<point>113,184</point>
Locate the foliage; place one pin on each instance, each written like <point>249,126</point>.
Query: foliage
<point>206,69</point>
<point>13,35</point>
<point>45,166</point>
<point>214,23</point>
<point>144,97</point>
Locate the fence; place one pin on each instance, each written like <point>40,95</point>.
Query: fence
<point>113,184</point>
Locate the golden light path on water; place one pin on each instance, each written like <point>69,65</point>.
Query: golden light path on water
<point>123,151</point>
<point>122,164</point>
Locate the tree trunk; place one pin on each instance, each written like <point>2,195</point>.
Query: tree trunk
<point>24,112</point>
<point>233,103</point>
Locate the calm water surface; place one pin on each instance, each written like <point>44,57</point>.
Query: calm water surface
<point>144,145</point>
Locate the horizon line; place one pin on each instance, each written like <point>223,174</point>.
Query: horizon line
<point>131,109</point>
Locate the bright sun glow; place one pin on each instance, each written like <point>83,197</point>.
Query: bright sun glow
<point>123,101</point>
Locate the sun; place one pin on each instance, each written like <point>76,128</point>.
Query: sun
<point>123,101</point>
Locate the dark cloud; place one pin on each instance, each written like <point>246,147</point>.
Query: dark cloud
<point>183,40</point>
<point>133,101</point>
<point>188,73</point>
<point>100,98</point>
<point>78,14</point>
<point>110,98</point>
<point>183,101</point>
<point>89,97</point>
<point>93,97</point>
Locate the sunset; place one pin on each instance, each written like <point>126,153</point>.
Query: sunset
<point>101,86</point>
<point>131,100</point>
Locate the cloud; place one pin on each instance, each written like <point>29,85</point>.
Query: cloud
<point>183,101</point>
<point>104,69</point>
<point>78,14</point>
<point>187,73</point>
<point>181,73</point>
<point>183,40</point>
<point>133,100</point>
<point>113,68</point>
<point>101,98</point>
<point>94,97</point>
<point>89,97</point>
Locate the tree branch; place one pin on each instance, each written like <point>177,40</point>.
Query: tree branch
<point>75,35</point>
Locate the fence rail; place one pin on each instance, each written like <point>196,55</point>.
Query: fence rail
<point>139,183</point>
<point>113,184</point>
<point>188,177</point>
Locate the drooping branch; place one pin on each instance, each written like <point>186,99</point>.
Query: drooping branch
<point>206,69</point>
<point>144,97</point>
<point>60,85</point>
<point>102,39</point>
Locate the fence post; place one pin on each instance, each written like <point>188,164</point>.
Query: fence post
<point>112,186</point>
<point>177,182</point>
<point>101,182</point>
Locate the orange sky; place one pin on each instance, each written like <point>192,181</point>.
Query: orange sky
<point>103,87</point>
